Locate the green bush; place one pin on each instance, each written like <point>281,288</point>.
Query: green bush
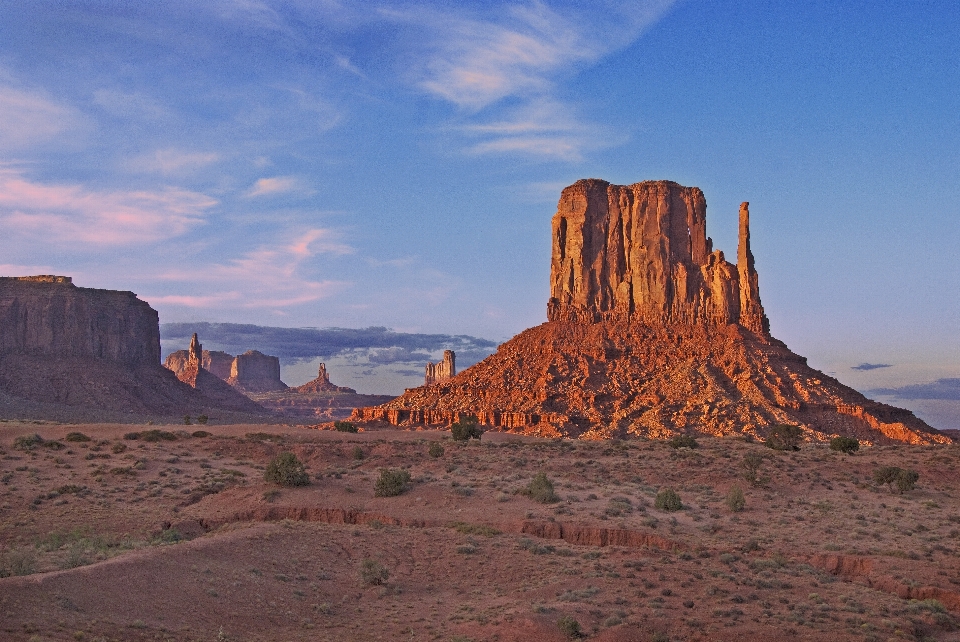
<point>466,428</point>
<point>132,436</point>
<point>750,464</point>
<point>569,627</point>
<point>893,476</point>
<point>357,453</point>
<point>27,442</point>
<point>199,433</point>
<point>845,444</point>
<point>683,441</point>
<point>541,490</point>
<point>435,450</point>
<point>344,426</point>
<point>784,437</point>
<point>76,436</point>
<point>668,500</point>
<point>391,482</point>
<point>373,573</point>
<point>286,470</point>
<point>186,420</point>
<point>736,502</point>
<point>203,419</point>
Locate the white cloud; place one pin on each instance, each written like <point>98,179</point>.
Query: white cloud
<point>275,185</point>
<point>58,213</point>
<point>267,277</point>
<point>29,118</point>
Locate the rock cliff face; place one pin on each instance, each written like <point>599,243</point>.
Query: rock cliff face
<point>196,376</point>
<point>49,315</point>
<point>254,371</point>
<point>640,252</point>
<point>441,371</point>
<point>651,332</point>
<point>64,347</point>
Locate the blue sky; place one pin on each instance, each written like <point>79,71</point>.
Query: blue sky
<point>397,163</point>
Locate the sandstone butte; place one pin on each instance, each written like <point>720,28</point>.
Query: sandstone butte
<point>650,332</point>
<point>251,371</point>
<point>71,347</point>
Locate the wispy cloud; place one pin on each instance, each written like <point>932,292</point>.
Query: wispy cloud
<point>267,277</point>
<point>173,161</point>
<point>28,118</point>
<point>516,55</point>
<point>274,186</point>
<point>72,213</point>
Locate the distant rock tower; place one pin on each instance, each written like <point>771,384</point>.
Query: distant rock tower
<point>442,371</point>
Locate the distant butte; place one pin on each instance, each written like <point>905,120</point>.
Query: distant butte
<point>650,332</point>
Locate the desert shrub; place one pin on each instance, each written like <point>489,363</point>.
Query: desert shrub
<point>21,561</point>
<point>76,436</point>
<point>683,441</point>
<point>894,476</point>
<point>27,442</point>
<point>784,437</point>
<point>391,482</point>
<point>845,444</point>
<point>736,502</point>
<point>186,420</point>
<point>435,450</point>
<point>199,433</point>
<point>118,448</point>
<point>668,499</point>
<point>541,490</point>
<point>345,426</point>
<point>750,464</point>
<point>286,470</point>
<point>132,436</point>
<point>357,453</point>
<point>373,573</point>
<point>569,627</point>
<point>203,419</point>
<point>157,435</point>
<point>466,428</point>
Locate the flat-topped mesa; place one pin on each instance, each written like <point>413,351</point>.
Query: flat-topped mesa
<point>254,371</point>
<point>441,371</point>
<point>640,252</point>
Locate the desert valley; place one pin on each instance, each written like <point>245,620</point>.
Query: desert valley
<point>649,464</point>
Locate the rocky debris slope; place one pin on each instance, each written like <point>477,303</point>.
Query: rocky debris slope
<point>651,333</point>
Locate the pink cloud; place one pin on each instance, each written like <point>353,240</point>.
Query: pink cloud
<point>71,213</point>
<point>275,185</point>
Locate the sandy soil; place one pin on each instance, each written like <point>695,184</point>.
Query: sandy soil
<point>129,539</point>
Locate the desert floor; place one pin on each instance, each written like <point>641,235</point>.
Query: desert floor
<point>182,539</point>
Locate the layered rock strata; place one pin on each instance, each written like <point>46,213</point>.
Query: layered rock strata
<point>651,332</point>
<point>63,347</point>
<point>441,371</point>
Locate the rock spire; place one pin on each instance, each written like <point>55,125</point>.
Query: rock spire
<point>442,370</point>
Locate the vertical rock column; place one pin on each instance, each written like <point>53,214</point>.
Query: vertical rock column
<point>752,315</point>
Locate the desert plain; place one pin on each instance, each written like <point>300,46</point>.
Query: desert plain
<point>171,536</point>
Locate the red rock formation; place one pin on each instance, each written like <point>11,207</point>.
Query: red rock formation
<point>66,347</point>
<point>322,384</point>
<point>212,386</point>
<point>254,371</point>
<point>651,333</point>
<point>441,371</point>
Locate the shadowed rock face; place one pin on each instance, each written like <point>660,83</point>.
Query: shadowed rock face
<point>254,371</point>
<point>651,332</point>
<point>49,315</point>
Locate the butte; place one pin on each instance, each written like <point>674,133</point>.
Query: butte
<point>651,332</point>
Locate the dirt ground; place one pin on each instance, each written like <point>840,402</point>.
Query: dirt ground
<point>171,536</point>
